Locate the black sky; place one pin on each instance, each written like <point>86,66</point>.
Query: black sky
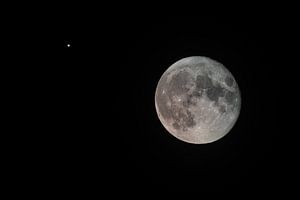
<point>250,156</point>
<point>93,113</point>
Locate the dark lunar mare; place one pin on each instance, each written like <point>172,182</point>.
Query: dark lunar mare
<point>213,92</point>
<point>229,81</point>
<point>230,97</point>
<point>203,82</point>
<point>183,118</point>
<point>176,86</point>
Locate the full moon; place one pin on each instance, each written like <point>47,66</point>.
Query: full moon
<point>197,100</point>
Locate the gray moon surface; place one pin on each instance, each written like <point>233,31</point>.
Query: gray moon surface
<point>197,100</point>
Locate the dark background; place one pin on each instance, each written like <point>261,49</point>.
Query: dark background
<point>89,115</point>
<point>254,155</point>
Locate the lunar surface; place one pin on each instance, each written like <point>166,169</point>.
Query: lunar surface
<point>197,100</point>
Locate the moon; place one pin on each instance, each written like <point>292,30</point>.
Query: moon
<point>197,100</point>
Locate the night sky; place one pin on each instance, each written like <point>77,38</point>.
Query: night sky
<point>92,105</point>
<point>251,156</point>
